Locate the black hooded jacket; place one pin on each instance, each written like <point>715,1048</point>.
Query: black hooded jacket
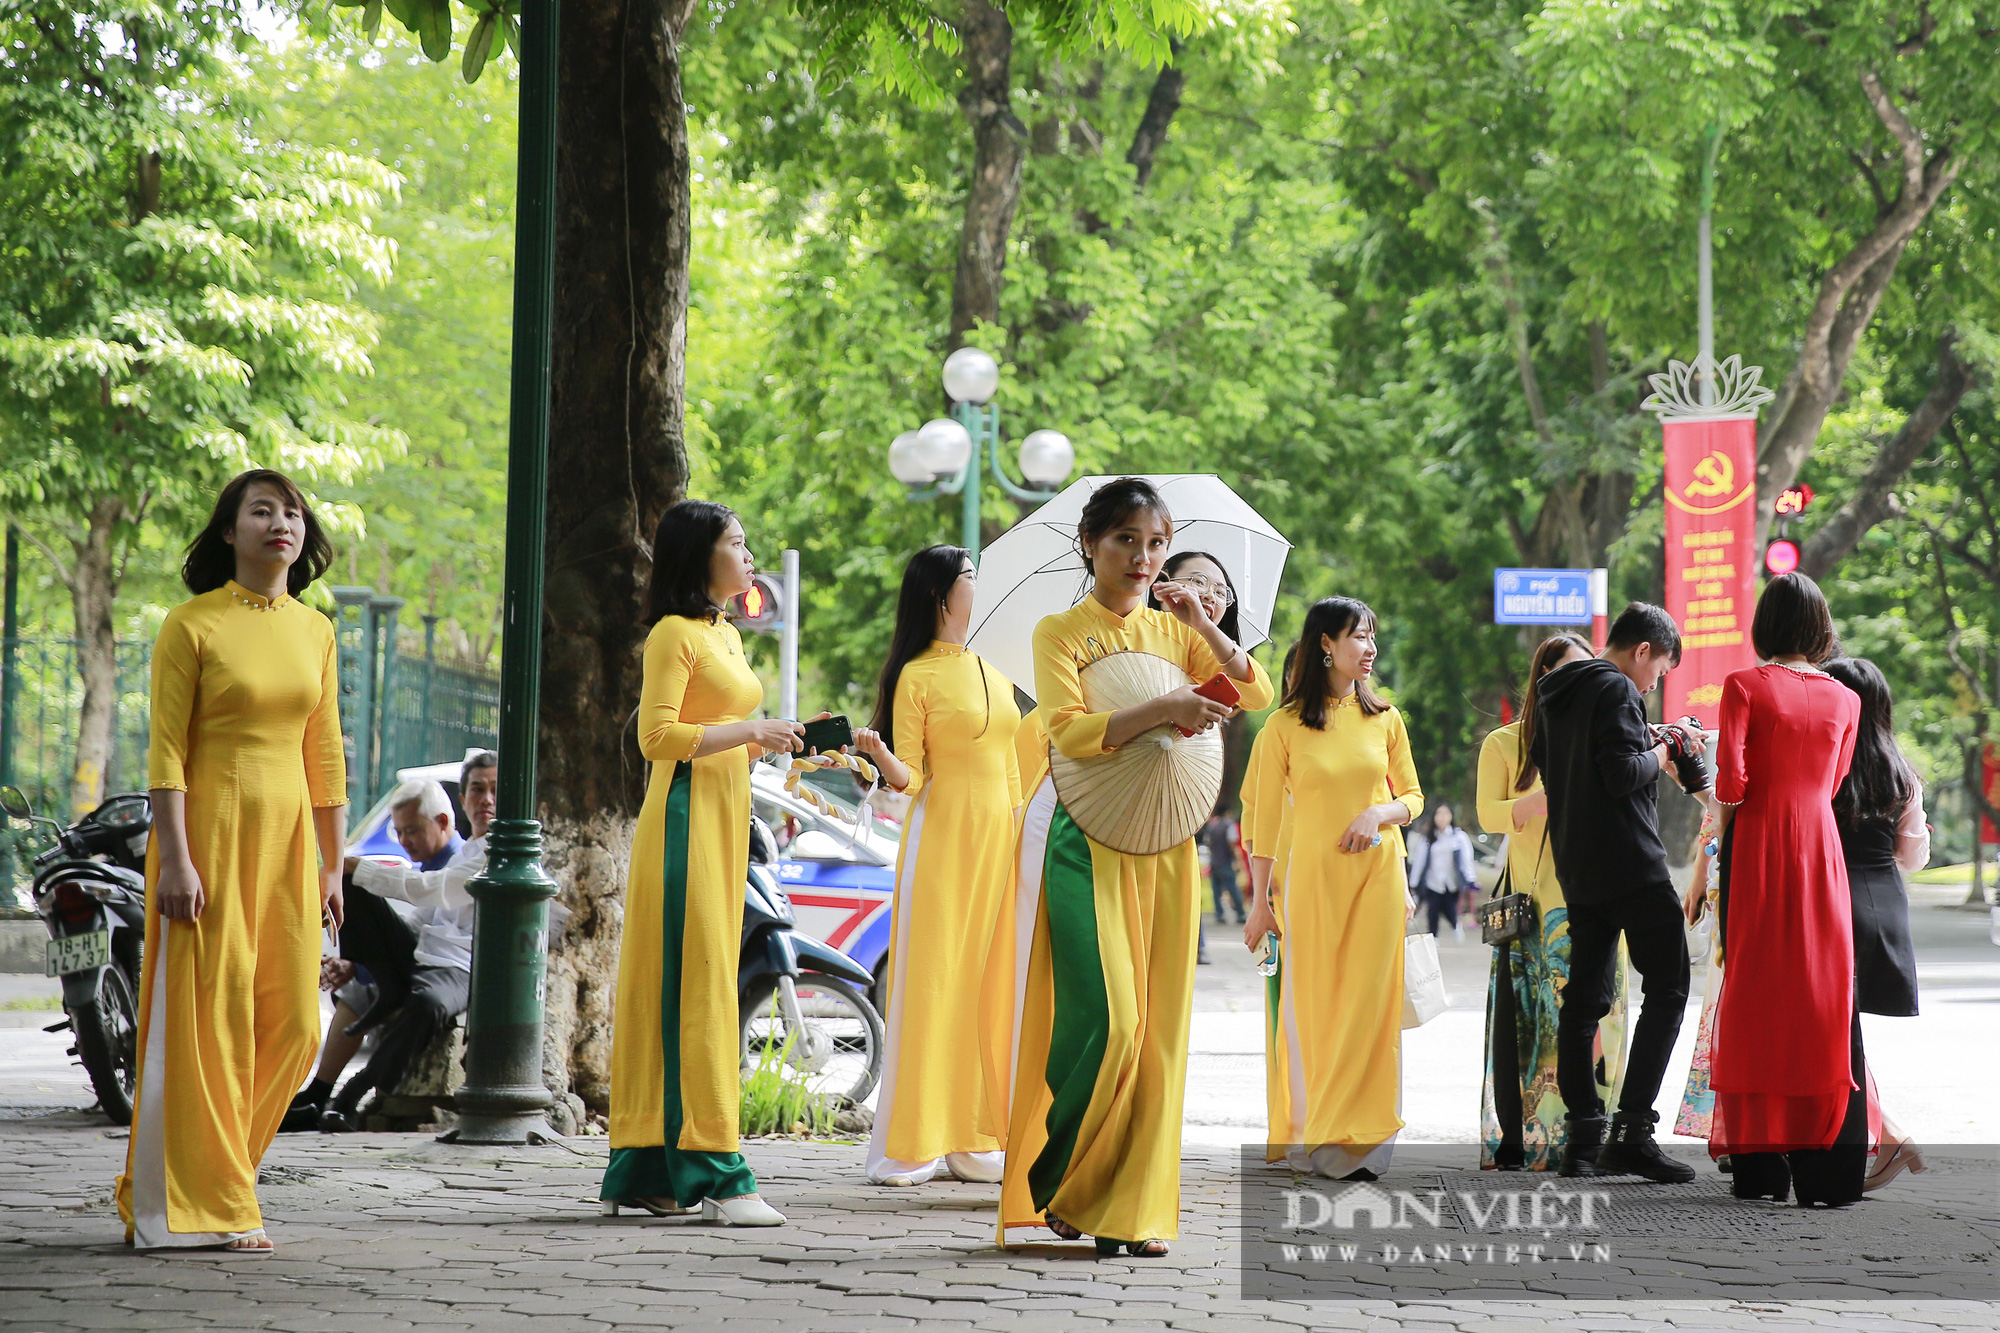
<point>1595,753</point>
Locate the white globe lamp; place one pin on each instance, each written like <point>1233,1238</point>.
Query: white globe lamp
<point>906,463</point>
<point>1047,458</point>
<point>944,446</point>
<point>971,376</point>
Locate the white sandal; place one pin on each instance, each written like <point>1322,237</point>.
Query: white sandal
<point>246,1244</point>
<point>745,1210</point>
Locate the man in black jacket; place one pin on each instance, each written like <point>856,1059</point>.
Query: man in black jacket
<point>1600,765</point>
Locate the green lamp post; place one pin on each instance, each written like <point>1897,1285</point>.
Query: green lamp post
<point>950,455</point>
<point>504,1099</point>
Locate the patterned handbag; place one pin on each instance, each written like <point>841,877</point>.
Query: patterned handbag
<point>1507,916</point>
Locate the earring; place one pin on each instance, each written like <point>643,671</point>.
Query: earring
<point>1329,659</point>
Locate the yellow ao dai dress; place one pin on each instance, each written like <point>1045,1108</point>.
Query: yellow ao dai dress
<point>676,1057</point>
<point>1340,993</point>
<point>1101,1064</point>
<point>246,721</point>
<point>954,725</point>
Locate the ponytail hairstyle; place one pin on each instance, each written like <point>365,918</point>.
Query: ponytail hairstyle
<point>927,581</point>
<point>1227,623</point>
<point>1879,781</point>
<point>1110,505</point>
<point>1308,691</point>
<point>1553,649</point>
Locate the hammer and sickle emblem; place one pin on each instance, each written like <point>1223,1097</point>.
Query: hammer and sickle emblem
<point>1713,476</point>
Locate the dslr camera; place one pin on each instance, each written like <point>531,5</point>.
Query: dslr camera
<point>1683,740</point>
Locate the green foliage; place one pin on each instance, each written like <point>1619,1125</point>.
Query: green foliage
<point>776,1100</point>
<point>436,520</point>
<point>177,290</point>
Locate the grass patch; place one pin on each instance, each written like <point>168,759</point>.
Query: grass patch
<point>1958,874</point>
<point>776,1100</point>
<point>33,1004</point>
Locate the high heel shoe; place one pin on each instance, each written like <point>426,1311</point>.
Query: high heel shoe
<point>745,1210</point>
<point>610,1207</point>
<point>1905,1156</point>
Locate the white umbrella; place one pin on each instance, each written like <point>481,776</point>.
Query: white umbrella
<point>1036,570</point>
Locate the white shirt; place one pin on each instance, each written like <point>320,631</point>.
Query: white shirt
<point>445,909</point>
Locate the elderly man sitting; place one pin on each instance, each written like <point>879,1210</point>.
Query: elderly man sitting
<point>421,978</point>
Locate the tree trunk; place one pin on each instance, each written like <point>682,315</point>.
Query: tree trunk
<point>93,592</point>
<point>1874,498</point>
<point>617,460</point>
<point>1848,297</point>
<point>999,150</point>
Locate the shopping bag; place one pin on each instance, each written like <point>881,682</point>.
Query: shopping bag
<point>1423,980</point>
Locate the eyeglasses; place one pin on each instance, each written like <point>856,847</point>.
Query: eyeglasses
<point>1203,586</point>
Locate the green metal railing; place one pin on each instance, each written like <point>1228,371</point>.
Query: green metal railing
<point>396,711</point>
<point>46,676</point>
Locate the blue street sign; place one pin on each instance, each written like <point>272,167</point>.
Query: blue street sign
<point>1541,597</point>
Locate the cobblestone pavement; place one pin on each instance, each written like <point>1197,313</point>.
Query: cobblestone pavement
<point>394,1232</point>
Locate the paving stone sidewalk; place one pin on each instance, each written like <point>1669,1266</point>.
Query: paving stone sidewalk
<point>394,1232</point>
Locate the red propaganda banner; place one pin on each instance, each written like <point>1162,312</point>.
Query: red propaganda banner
<point>1711,490</point>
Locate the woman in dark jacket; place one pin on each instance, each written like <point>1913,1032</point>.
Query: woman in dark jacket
<point>1879,811</point>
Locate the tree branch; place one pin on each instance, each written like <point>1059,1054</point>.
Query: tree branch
<point>1848,296</point>
<point>1161,103</point>
<point>1874,497</point>
<point>63,574</point>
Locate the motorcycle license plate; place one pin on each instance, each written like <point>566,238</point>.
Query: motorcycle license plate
<point>79,953</point>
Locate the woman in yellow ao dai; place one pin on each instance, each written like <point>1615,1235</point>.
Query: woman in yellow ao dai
<point>944,733</point>
<point>247,780</point>
<point>1344,902</point>
<point>1094,1139</point>
<point>676,1044</point>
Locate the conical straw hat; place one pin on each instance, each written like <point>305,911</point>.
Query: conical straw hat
<point>1157,789</point>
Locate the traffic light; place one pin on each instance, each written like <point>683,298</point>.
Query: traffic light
<point>1781,556</point>
<point>1792,501</point>
<point>761,609</point>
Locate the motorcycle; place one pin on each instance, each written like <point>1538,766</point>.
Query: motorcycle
<point>90,891</point>
<point>798,997</point>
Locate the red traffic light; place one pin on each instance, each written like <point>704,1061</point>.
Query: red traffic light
<point>1781,556</point>
<point>758,610</point>
<point>1792,500</point>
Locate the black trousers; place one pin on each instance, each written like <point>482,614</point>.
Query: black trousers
<point>1440,905</point>
<point>436,995</point>
<point>375,937</point>
<point>1656,940</point>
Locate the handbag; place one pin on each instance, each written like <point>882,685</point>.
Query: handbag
<point>1423,980</point>
<point>1508,915</point>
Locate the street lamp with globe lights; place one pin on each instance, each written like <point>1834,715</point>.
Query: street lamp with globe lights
<point>950,455</point>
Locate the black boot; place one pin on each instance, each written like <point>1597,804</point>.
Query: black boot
<point>1585,1141</point>
<point>1632,1152</point>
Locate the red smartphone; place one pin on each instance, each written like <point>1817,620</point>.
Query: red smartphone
<point>1220,688</point>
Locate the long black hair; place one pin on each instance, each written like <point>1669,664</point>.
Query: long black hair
<point>682,547</point>
<point>1552,651</point>
<point>211,561</point>
<point>1112,504</point>
<point>927,581</point>
<point>1309,690</point>
<point>1174,562</point>
<point>1879,782</point>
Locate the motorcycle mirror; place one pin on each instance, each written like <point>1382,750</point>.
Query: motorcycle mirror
<point>763,846</point>
<point>15,803</point>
